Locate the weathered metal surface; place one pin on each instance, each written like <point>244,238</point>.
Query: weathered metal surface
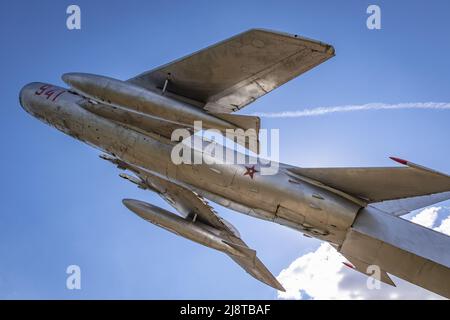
<point>229,75</point>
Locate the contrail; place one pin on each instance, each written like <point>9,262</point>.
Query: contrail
<point>370,106</point>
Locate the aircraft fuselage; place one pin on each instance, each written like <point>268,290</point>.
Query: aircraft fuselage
<point>278,198</point>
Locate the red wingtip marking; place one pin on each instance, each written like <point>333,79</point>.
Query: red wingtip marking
<point>399,160</point>
<point>348,265</point>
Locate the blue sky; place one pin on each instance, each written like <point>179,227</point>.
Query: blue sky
<point>61,205</point>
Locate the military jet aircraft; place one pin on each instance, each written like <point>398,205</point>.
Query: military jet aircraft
<point>356,210</point>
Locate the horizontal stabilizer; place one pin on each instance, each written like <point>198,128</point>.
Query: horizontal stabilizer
<point>403,206</point>
<point>401,248</point>
<point>379,184</point>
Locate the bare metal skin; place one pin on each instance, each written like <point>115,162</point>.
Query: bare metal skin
<point>131,123</point>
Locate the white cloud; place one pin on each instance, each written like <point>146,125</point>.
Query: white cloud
<point>322,275</point>
<point>427,217</point>
<point>444,227</point>
<point>369,106</point>
<point>316,273</point>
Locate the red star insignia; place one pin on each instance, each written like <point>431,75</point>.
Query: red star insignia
<point>250,171</point>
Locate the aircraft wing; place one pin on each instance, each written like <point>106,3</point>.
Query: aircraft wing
<point>227,76</point>
<point>193,207</point>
